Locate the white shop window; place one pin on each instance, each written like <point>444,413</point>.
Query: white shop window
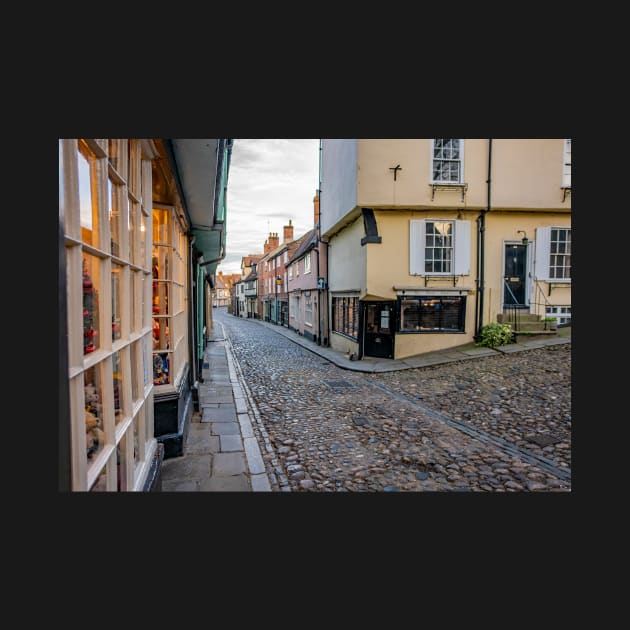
<point>439,247</point>
<point>107,284</point>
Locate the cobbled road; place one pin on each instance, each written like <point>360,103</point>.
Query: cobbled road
<point>491,424</point>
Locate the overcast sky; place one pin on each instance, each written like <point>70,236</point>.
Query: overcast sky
<point>270,182</point>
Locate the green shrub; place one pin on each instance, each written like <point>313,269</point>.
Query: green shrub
<point>495,334</point>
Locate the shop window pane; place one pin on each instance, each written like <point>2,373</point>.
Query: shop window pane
<point>100,485</point>
<point>161,368</point>
<point>145,364</point>
<point>136,438</point>
<point>132,302</point>
<point>112,151</point>
<point>143,241</point>
<point>131,223</point>
<point>135,389</point>
<point>116,282</point>
<point>88,212</point>
<point>161,226</point>
<point>121,465</point>
<point>93,396</point>
<point>161,333</point>
<point>118,387</point>
<point>91,339</point>
<point>114,216</point>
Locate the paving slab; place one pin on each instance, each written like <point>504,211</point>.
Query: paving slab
<point>235,483</point>
<point>230,443</point>
<point>228,464</point>
<point>219,414</point>
<point>186,467</point>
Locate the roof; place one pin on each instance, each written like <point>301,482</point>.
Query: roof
<point>309,240</point>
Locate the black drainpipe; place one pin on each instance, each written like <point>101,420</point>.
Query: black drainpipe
<point>481,229</point>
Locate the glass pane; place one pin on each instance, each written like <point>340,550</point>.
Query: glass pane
<point>160,226</point>
<point>145,364</point>
<point>100,485</point>
<point>133,278</point>
<point>93,396</point>
<point>131,223</point>
<point>409,315</point>
<point>116,282</point>
<point>88,214</point>
<point>121,465</point>
<point>161,365</point>
<point>118,387</point>
<point>136,438</point>
<point>135,388</point>
<point>114,216</point>
<point>91,277</point>
<point>143,241</point>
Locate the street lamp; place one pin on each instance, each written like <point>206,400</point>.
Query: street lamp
<point>524,239</point>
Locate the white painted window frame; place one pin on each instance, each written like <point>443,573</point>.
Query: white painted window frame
<point>461,168</point>
<point>136,423</point>
<point>460,264</point>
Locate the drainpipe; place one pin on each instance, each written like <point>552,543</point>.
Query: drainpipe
<point>481,228</point>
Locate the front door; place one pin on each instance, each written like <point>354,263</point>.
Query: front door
<point>515,275</point>
<point>378,329</point>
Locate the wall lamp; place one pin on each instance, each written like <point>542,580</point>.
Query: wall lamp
<point>524,239</point>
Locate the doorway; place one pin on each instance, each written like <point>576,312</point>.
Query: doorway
<point>514,275</point>
<point>378,329</point>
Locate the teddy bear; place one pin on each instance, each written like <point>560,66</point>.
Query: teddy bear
<point>92,398</point>
<point>94,436</point>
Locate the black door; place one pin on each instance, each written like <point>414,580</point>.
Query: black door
<point>514,276</point>
<point>378,329</point>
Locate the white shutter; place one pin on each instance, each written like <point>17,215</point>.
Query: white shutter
<point>541,260</point>
<point>462,248</point>
<point>416,247</point>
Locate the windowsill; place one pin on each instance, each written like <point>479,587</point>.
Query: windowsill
<point>448,186</point>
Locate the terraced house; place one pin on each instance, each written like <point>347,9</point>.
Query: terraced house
<point>431,239</point>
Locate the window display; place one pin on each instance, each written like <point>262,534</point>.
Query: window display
<point>100,485</point>
<point>161,368</point>
<point>118,389</point>
<point>90,305</point>
<point>93,396</point>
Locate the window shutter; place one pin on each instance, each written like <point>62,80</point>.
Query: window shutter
<point>462,248</point>
<point>416,247</point>
<point>541,261</point>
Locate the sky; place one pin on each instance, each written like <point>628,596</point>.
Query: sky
<point>269,182</point>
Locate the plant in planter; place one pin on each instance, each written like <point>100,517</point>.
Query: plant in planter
<point>551,323</point>
<point>495,334</point>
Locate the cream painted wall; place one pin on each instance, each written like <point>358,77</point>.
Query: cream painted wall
<point>347,259</point>
<point>526,173</point>
<point>502,227</point>
<point>388,261</point>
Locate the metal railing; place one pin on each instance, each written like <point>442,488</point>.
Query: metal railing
<point>537,302</point>
<point>512,311</point>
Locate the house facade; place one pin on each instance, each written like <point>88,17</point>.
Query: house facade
<point>306,280</point>
<point>431,239</point>
<point>140,228</point>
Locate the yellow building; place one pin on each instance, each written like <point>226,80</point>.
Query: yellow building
<point>431,239</point>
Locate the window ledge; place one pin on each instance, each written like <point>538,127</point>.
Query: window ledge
<point>463,187</point>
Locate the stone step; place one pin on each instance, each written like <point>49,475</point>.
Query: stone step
<point>532,335</point>
<point>506,318</point>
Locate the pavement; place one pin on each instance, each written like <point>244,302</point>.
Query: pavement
<point>222,446</point>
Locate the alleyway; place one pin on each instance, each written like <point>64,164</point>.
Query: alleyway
<point>495,424</point>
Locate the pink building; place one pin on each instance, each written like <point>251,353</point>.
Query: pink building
<point>307,285</point>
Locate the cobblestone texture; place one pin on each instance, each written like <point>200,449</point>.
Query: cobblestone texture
<point>321,428</point>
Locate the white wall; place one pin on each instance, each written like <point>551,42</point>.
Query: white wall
<point>339,180</point>
<point>347,259</point>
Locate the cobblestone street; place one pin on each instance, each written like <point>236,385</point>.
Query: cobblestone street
<point>497,424</point>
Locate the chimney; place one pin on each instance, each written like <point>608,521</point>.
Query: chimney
<point>220,273</point>
<point>316,207</point>
<point>266,248</point>
<point>288,232</point>
<point>274,241</point>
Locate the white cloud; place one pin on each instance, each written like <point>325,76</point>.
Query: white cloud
<point>270,182</point>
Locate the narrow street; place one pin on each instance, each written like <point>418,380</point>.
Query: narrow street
<point>494,424</point>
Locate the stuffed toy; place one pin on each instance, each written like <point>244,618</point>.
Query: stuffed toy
<point>94,436</point>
